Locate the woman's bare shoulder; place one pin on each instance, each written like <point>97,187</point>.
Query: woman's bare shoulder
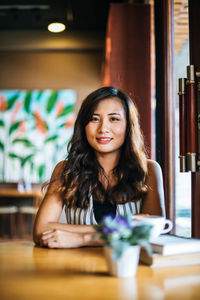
<point>55,181</point>
<point>59,168</point>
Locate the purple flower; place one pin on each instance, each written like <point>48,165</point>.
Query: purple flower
<point>107,230</point>
<point>122,221</point>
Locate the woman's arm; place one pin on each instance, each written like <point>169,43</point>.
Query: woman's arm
<point>48,231</point>
<point>153,202</point>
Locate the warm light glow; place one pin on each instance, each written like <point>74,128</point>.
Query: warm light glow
<point>56,27</point>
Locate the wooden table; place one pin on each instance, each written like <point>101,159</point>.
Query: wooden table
<point>28,272</point>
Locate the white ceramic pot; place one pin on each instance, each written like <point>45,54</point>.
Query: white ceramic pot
<point>126,265</point>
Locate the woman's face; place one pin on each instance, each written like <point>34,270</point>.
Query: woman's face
<point>107,129</point>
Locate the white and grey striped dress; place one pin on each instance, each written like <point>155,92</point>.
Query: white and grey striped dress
<point>82,216</point>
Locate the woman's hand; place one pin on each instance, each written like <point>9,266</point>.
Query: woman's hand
<point>64,239</point>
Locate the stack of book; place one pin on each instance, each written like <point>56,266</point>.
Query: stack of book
<point>170,250</point>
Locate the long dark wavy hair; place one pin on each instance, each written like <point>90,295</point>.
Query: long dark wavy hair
<point>79,178</point>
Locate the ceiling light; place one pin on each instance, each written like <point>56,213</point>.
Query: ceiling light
<point>56,27</point>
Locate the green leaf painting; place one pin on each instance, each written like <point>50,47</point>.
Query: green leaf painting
<point>25,141</point>
<point>39,94</point>
<point>27,102</point>
<point>66,111</point>
<point>2,124</point>
<point>13,155</point>
<point>13,127</point>
<point>1,146</point>
<point>51,101</point>
<point>31,167</point>
<point>35,127</point>
<point>51,138</point>
<point>41,171</point>
<point>26,159</point>
<point>11,101</point>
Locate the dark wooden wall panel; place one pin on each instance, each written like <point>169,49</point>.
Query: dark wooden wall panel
<point>127,64</point>
<point>165,100</point>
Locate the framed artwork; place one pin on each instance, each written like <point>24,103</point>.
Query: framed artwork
<point>35,128</point>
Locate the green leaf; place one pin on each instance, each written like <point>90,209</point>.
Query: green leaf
<point>52,101</point>
<point>13,155</point>
<point>27,102</point>
<point>26,159</point>
<point>41,170</point>
<point>46,125</point>
<point>2,124</point>
<point>31,167</point>
<point>51,138</point>
<point>39,95</point>
<point>1,146</point>
<point>14,127</point>
<point>12,101</point>
<point>68,109</point>
<point>62,125</point>
<point>118,248</point>
<point>24,141</point>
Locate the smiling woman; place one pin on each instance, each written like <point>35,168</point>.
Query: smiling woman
<point>106,172</point>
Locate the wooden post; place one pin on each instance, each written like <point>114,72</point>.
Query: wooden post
<point>165,99</point>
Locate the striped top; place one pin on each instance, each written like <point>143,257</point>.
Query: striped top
<point>82,216</point>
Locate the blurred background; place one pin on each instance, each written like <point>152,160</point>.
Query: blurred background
<point>45,76</point>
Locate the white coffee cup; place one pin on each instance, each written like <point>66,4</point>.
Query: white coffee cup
<point>158,223</point>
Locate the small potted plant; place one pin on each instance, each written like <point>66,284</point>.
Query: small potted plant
<point>123,238</point>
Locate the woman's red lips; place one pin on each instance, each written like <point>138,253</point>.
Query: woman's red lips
<point>104,140</point>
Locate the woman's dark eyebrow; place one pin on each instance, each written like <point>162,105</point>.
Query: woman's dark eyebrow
<point>95,114</point>
<point>114,114</point>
